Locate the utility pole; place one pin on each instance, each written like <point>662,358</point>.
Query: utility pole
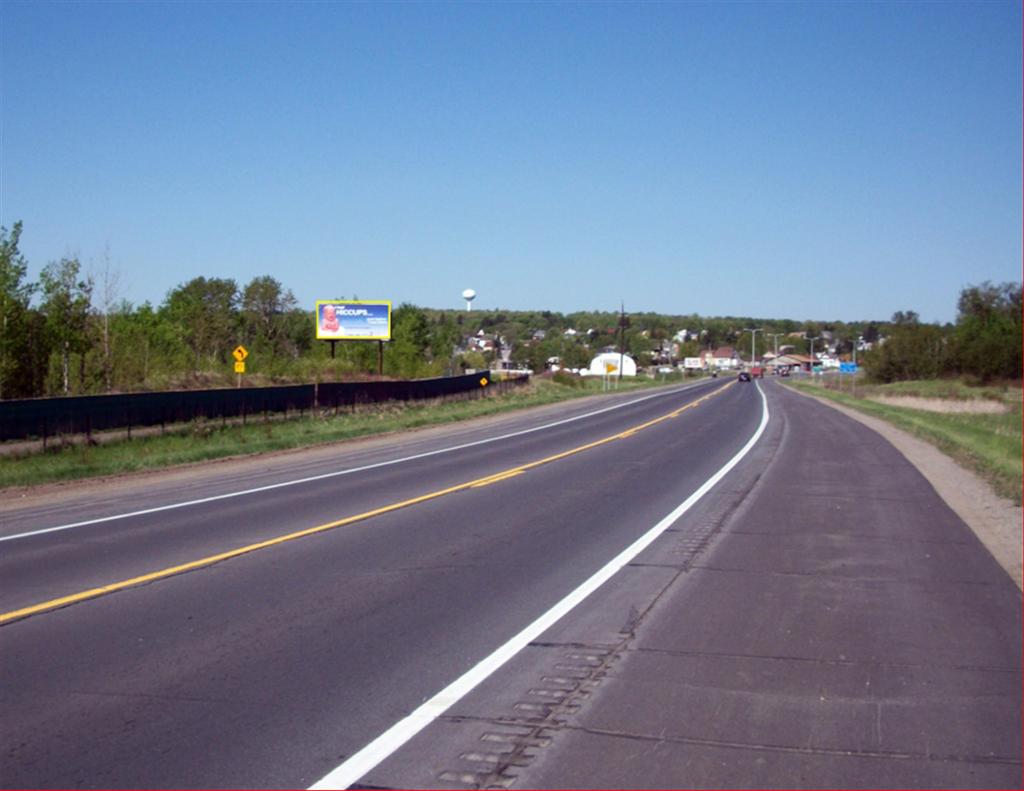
<point>623,323</point>
<point>776,336</point>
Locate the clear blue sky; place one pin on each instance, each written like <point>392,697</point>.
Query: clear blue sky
<point>808,161</point>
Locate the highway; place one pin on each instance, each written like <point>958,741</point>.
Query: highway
<point>719,584</point>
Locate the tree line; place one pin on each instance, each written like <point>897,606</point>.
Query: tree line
<point>70,333</point>
<point>984,345</point>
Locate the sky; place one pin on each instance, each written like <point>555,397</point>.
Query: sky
<point>825,161</point>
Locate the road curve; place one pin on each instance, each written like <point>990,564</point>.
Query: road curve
<point>813,619</point>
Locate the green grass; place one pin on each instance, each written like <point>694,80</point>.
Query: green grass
<point>956,389</point>
<point>988,444</point>
<point>204,441</point>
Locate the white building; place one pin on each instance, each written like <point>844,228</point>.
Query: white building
<point>607,364</point>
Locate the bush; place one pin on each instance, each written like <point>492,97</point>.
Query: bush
<point>912,351</point>
<point>568,379</point>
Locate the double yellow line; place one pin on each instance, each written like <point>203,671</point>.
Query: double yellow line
<point>512,472</point>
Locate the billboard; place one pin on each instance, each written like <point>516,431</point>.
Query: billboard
<point>353,320</point>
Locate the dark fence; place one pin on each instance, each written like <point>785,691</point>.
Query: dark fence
<point>40,418</point>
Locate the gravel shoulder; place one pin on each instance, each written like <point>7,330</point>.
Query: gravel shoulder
<point>997,522</point>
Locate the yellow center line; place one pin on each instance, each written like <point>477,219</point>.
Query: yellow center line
<point>512,472</point>
<point>501,476</point>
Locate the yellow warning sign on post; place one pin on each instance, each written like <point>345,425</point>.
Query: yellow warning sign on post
<point>240,353</point>
<point>239,367</point>
<point>483,382</point>
<point>610,368</point>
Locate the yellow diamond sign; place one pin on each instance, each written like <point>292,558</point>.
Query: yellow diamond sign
<point>483,382</point>
<point>239,367</point>
<point>240,353</point>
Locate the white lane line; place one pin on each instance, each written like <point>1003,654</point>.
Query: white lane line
<point>296,482</point>
<point>402,731</point>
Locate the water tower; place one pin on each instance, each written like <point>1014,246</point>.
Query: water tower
<point>469,295</point>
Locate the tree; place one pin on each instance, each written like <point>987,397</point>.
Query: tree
<point>265,305</point>
<point>912,351</point>
<point>15,295</point>
<point>905,318</point>
<point>410,342</point>
<point>987,338</point>
<point>444,338</point>
<point>110,280</point>
<point>67,301</point>
<point>205,313</point>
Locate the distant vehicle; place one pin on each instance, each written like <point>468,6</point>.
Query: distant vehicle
<point>744,376</point>
<point>757,371</point>
<point>784,371</point>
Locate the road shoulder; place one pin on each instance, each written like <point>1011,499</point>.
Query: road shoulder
<point>996,521</point>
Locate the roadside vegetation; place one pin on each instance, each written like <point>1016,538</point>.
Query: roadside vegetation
<point>205,440</point>
<point>72,332</point>
<point>987,442</point>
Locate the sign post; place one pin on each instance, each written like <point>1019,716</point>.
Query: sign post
<point>240,353</point>
<point>848,368</point>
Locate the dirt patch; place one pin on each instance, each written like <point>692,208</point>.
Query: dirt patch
<point>977,406</point>
<point>996,521</point>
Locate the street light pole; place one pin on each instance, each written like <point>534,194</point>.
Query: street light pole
<point>753,334</point>
<point>812,340</point>
<point>776,336</point>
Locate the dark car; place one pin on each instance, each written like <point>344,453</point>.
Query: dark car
<point>744,376</point>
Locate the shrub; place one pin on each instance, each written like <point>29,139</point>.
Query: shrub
<point>567,378</point>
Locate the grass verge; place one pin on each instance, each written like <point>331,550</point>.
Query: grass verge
<point>204,441</point>
<point>988,444</point>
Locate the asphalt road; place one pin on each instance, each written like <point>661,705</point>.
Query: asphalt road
<point>817,617</point>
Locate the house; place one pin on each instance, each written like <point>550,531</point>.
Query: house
<point>484,343</point>
<point>722,357</point>
<point>801,361</point>
<point>664,351</point>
